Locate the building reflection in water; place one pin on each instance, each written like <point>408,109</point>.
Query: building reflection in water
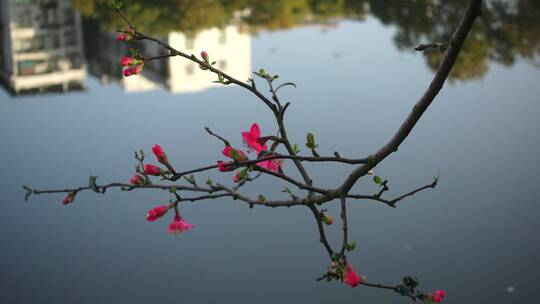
<point>41,47</point>
<point>46,47</point>
<point>178,75</point>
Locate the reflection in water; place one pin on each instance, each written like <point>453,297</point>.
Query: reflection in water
<point>41,47</point>
<point>226,45</point>
<point>506,32</point>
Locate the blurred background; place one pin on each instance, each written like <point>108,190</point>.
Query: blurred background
<point>66,113</point>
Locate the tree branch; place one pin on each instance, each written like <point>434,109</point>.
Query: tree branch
<point>472,11</point>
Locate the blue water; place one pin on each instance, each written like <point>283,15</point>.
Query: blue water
<point>474,236</point>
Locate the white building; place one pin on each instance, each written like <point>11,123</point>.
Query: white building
<point>41,47</point>
<point>229,47</point>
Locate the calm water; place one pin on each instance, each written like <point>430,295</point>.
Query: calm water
<point>474,236</point>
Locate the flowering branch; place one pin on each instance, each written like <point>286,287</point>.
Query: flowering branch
<point>269,161</point>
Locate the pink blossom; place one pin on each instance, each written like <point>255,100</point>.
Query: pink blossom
<point>234,154</point>
<point>152,170</point>
<point>160,154</point>
<point>253,138</point>
<point>238,177</point>
<point>70,197</point>
<point>225,166</point>
<point>179,225</point>
<point>136,180</point>
<point>121,37</point>
<point>133,70</point>
<point>205,56</point>
<point>351,278</point>
<point>126,61</point>
<point>271,165</point>
<point>437,296</point>
<point>157,212</point>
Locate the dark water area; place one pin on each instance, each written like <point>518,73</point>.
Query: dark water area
<point>66,113</point>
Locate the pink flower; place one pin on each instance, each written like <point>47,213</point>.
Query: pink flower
<point>351,278</point>
<point>437,296</point>
<point>133,70</point>
<point>238,176</point>
<point>160,154</point>
<point>179,225</point>
<point>121,37</point>
<point>271,165</point>
<point>253,138</point>
<point>126,61</point>
<point>70,197</point>
<point>157,212</point>
<point>152,170</point>
<point>136,180</point>
<point>237,155</point>
<point>225,166</point>
<point>205,56</point>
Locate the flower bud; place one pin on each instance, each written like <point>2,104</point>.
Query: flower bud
<point>133,70</point>
<point>205,56</point>
<point>327,218</point>
<point>437,296</point>
<point>136,180</point>
<point>157,212</point>
<point>70,197</point>
<point>160,154</point>
<point>126,61</point>
<point>121,37</point>
<point>152,170</point>
<point>225,166</point>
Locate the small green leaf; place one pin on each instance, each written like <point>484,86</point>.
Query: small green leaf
<point>351,246</point>
<point>336,257</point>
<point>237,156</point>
<point>377,179</point>
<point>260,73</point>
<point>190,179</point>
<point>296,149</point>
<point>310,141</point>
<point>209,181</point>
<point>262,199</point>
<point>172,190</point>
<point>92,182</point>
<point>116,4</point>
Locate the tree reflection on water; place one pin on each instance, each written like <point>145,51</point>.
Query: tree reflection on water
<point>506,32</point>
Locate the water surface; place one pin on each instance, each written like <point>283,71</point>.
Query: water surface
<point>474,236</point>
